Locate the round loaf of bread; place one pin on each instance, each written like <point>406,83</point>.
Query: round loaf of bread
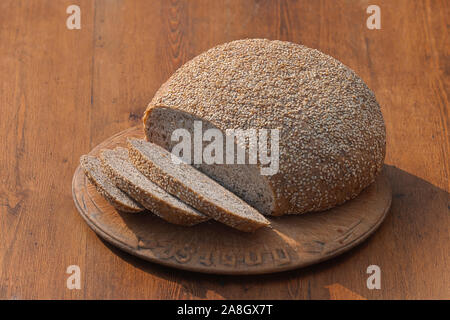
<point>331,129</point>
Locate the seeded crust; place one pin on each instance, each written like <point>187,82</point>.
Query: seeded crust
<point>117,166</point>
<point>332,133</point>
<point>193,187</point>
<point>117,198</point>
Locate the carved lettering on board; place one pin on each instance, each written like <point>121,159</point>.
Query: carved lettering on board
<point>253,258</point>
<point>280,256</point>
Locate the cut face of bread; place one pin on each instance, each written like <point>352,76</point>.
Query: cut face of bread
<point>119,169</point>
<point>116,197</point>
<point>245,180</point>
<point>193,187</point>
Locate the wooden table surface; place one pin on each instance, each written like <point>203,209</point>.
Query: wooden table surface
<point>64,91</point>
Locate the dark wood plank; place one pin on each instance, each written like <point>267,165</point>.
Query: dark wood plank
<point>45,72</point>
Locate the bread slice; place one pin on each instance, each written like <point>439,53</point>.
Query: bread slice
<point>119,169</point>
<point>193,187</point>
<point>117,198</point>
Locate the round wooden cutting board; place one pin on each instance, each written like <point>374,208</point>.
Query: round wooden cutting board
<point>210,247</point>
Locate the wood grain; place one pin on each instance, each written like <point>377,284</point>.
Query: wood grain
<point>64,91</point>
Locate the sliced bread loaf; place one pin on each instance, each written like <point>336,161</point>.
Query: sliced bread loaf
<point>119,169</point>
<point>117,198</point>
<point>193,187</point>
<point>332,138</point>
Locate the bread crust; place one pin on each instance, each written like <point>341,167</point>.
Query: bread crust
<point>332,132</point>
